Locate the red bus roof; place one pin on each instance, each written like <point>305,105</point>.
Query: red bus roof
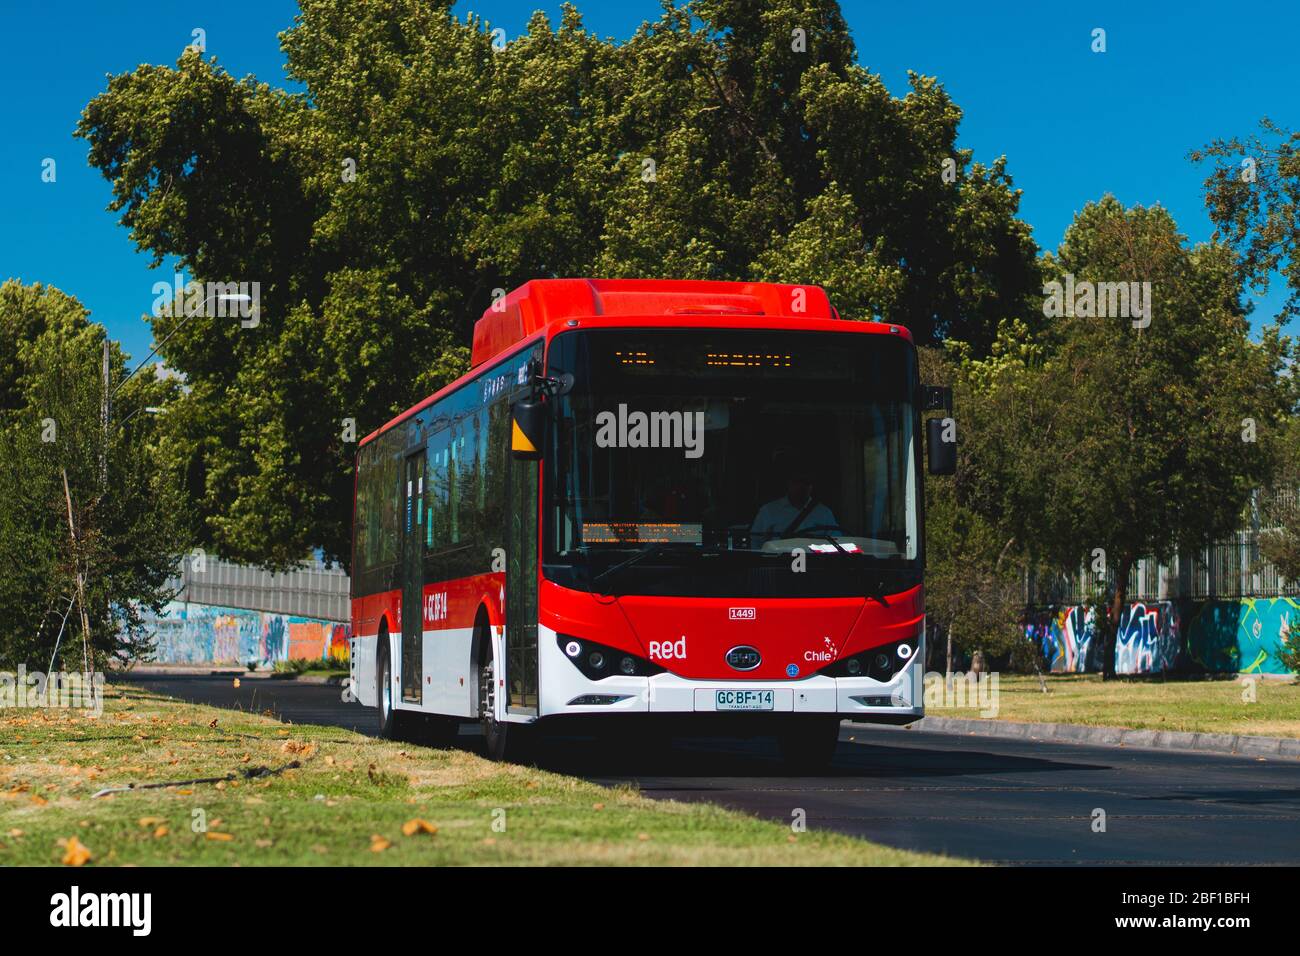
<point>546,305</point>
<point>541,302</point>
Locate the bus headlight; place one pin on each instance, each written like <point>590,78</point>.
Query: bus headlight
<point>598,661</point>
<point>880,663</point>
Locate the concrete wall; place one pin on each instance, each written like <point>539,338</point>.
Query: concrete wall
<point>1230,636</point>
<point>203,634</point>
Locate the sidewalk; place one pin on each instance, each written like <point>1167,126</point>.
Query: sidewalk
<point>1238,744</point>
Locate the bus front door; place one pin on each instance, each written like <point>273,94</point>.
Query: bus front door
<point>413,522</point>
<point>521,589</point>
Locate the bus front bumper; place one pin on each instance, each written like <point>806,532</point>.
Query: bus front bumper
<point>564,690</point>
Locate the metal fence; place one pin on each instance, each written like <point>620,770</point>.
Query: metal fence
<point>1229,568</point>
<point>313,591</point>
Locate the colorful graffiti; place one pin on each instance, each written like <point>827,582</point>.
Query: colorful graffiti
<point>1065,635</point>
<point>1147,641</point>
<point>1242,636</point>
<point>201,634</point>
<point>1217,636</point>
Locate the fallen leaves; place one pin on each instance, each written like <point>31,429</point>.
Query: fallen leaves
<point>379,844</point>
<point>75,853</point>
<point>412,827</point>
<point>220,837</point>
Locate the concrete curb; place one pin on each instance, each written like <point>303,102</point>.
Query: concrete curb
<point>1241,745</point>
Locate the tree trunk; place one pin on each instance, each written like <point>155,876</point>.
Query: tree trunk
<point>1117,604</point>
<point>947,670</point>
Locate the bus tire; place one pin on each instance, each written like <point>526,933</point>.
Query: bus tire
<point>393,724</point>
<point>431,730</point>
<point>809,744</point>
<point>502,741</point>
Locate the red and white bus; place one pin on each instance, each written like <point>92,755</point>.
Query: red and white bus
<point>649,500</point>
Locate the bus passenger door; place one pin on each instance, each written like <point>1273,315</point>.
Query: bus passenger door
<point>521,589</point>
<point>412,564</point>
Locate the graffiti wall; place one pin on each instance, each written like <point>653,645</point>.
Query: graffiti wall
<point>1158,637</point>
<point>202,634</point>
<point>1243,635</point>
<point>1065,636</point>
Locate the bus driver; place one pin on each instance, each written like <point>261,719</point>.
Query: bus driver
<point>797,509</point>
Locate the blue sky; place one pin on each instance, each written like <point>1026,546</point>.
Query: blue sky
<point>1073,124</point>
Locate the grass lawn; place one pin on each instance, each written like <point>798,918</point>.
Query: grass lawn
<point>1205,705</point>
<point>353,800</point>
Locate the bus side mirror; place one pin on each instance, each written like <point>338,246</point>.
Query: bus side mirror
<point>941,442</point>
<point>527,429</point>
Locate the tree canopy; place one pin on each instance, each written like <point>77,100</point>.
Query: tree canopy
<point>123,507</point>
<point>1115,437</point>
<point>430,162</point>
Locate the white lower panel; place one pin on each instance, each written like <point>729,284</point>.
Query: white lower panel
<point>560,682</point>
<point>363,670</point>
<point>447,672</point>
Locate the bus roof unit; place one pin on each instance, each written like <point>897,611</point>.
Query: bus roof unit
<point>539,303</point>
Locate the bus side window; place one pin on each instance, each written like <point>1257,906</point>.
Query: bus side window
<point>436,474</point>
<point>389,494</point>
<point>452,478</point>
<point>360,519</point>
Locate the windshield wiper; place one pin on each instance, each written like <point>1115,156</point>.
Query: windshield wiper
<point>880,591</point>
<point>651,550</point>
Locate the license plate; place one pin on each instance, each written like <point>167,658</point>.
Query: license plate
<point>744,700</point>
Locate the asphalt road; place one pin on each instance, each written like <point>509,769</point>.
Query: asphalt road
<point>1006,801</point>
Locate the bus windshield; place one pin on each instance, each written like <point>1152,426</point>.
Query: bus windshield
<point>731,463</point>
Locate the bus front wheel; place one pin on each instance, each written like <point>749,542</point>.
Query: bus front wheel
<point>501,740</point>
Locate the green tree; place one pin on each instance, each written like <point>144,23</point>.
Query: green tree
<point>123,541</point>
<point>974,590</point>
<point>1251,196</point>
<point>1110,438</point>
<point>428,165</point>
<point>1279,510</point>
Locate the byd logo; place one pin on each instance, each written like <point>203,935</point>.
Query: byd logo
<point>742,613</point>
<point>668,650</point>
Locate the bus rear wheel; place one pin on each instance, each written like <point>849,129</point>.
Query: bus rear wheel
<point>392,724</point>
<point>809,744</point>
<point>502,741</point>
<point>431,730</point>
